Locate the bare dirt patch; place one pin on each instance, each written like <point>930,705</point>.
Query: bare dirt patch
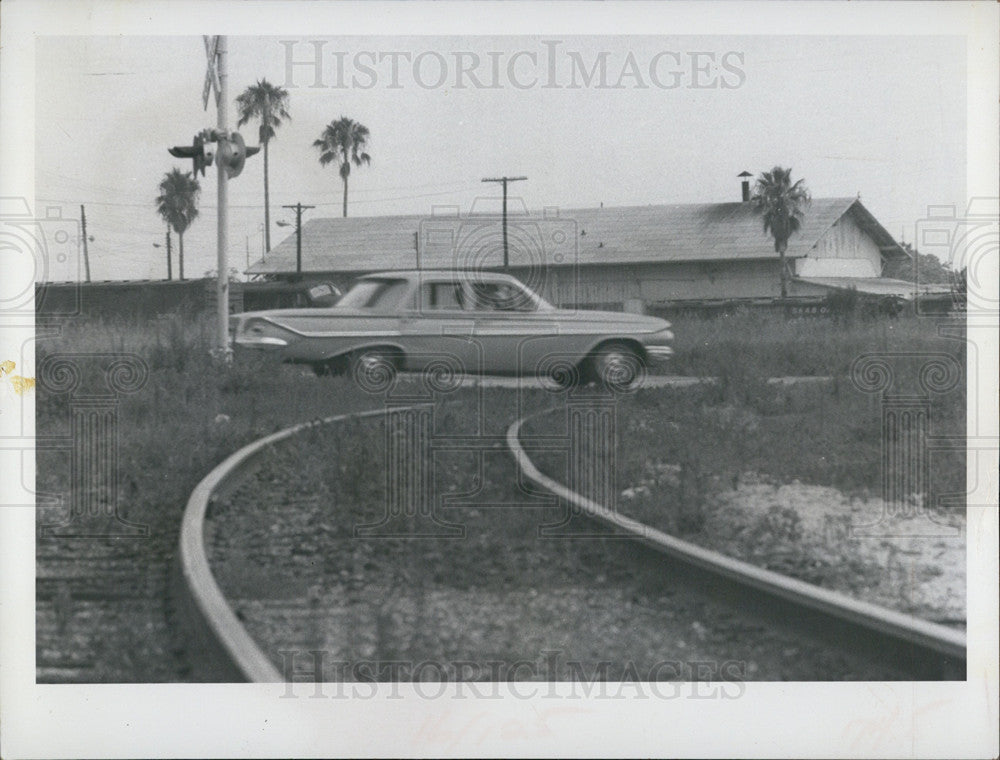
<point>912,561</point>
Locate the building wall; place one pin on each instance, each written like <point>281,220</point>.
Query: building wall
<point>844,250</point>
<point>615,286</point>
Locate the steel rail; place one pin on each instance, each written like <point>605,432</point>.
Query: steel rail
<point>226,649</point>
<point>929,640</point>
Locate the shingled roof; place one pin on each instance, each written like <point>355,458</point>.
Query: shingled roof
<point>631,234</point>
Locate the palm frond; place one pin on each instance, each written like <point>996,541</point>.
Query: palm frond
<point>265,102</point>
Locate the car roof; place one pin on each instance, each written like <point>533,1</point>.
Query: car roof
<point>291,287</point>
<point>437,274</point>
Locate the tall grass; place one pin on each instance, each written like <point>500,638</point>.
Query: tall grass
<point>191,413</point>
<point>684,445</point>
<point>194,410</point>
<point>753,343</point>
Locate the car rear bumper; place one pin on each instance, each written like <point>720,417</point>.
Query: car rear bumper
<point>658,354</point>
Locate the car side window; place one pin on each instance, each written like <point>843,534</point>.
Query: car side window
<point>435,296</point>
<point>389,296</point>
<point>374,294</point>
<point>500,296</point>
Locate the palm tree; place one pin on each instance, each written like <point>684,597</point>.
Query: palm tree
<point>177,203</point>
<point>268,103</point>
<point>344,141</point>
<point>782,204</point>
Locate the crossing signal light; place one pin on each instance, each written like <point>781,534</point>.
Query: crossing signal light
<point>207,155</point>
<point>233,154</point>
<point>201,151</point>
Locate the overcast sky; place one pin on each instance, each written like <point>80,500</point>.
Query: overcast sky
<point>669,120</point>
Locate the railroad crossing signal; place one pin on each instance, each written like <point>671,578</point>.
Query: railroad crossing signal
<point>232,151</point>
<point>232,155</point>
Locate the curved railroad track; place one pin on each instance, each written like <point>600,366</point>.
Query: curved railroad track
<point>220,645</point>
<point>927,649</point>
<point>228,652</point>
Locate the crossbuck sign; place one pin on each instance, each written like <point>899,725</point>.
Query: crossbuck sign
<point>211,74</point>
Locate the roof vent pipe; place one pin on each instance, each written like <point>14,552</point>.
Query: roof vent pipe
<point>746,185</point>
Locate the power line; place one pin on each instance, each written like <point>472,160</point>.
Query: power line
<point>256,206</point>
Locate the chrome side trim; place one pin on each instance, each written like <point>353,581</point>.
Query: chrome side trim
<point>264,340</point>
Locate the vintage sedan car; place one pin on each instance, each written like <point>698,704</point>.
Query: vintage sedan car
<point>457,323</point>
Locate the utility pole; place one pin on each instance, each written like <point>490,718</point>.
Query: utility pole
<point>298,208</point>
<point>265,126</point>
<point>170,266</point>
<point>504,181</point>
<point>86,256</point>
<point>222,287</point>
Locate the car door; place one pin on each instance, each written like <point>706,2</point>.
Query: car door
<point>513,334</point>
<point>440,328</point>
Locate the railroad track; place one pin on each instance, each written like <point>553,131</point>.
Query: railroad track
<point>220,643</point>
<point>927,649</point>
<point>228,652</point>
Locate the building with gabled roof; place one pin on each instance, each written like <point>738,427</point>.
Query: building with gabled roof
<point>634,257</point>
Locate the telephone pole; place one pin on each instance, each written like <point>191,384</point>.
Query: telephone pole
<point>222,286</point>
<point>299,208</point>
<point>504,181</point>
<point>86,256</point>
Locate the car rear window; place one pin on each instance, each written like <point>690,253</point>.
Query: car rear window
<point>375,294</point>
<point>319,291</point>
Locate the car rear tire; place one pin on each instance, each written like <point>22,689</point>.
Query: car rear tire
<point>616,366</point>
<point>331,367</point>
<point>374,369</point>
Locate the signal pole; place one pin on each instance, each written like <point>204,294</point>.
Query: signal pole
<point>504,181</point>
<point>298,208</point>
<point>222,287</point>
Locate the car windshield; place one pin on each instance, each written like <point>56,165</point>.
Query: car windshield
<point>374,294</point>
